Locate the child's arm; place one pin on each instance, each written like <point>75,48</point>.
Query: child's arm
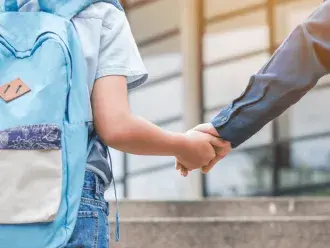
<point>114,122</point>
<point>122,130</point>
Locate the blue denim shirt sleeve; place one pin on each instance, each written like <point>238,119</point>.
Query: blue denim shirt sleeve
<point>294,69</point>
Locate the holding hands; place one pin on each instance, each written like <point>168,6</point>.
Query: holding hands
<point>202,150</point>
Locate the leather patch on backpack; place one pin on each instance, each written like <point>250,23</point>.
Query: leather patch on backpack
<point>13,90</point>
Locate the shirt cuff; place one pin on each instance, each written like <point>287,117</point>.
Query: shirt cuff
<point>220,123</point>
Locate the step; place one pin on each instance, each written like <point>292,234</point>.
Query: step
<point>221,232</point>
<point>304,206</point>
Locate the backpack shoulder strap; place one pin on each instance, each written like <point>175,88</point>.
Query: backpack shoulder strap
<point>69,8</point>
<point>9,5</point>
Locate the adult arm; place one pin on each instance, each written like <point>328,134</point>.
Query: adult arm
<point>294,69</point>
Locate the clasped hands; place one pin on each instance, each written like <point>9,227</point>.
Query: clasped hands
<point>202,150</point>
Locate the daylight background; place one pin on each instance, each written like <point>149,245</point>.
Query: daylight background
<point>290,156</point>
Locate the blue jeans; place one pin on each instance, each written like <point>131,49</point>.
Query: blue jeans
<point>92,228</point>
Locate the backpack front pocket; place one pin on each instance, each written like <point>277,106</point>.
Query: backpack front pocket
<point>30,174</point>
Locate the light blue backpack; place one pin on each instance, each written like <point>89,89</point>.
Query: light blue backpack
<point>44,103</point>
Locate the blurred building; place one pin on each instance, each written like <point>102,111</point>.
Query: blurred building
<point>290,156</point>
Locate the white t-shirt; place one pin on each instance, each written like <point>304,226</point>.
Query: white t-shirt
<point>109,49</point>
<point>108,44</point>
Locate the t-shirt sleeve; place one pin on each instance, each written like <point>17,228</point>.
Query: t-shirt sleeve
<point>119,54</point>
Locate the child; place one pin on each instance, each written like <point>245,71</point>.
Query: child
<point>114,66</point>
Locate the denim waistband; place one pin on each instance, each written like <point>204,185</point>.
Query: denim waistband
<point>94,182</point>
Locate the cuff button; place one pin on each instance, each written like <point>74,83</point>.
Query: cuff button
<point>224,119</point>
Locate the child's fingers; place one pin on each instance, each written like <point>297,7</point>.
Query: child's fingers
<point>206,169</point>
<point>222,151</point>
<point>181,168</point>
<point>177,165</point>
<point>184,172</point>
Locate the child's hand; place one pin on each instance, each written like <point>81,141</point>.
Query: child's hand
<point>221,148</point>
<point>197,150</point>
